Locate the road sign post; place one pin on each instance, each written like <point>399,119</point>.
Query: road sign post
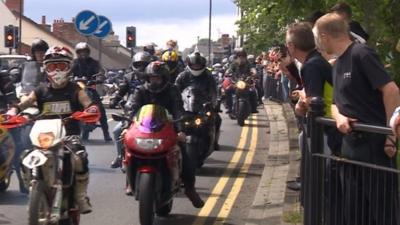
<point>88,23</point>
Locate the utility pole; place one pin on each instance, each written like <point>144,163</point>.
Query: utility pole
<point>20,27</point>
<point>209,34</point>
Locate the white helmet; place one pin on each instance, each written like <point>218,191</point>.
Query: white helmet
<point>82,46</point>
<point>57,64</point>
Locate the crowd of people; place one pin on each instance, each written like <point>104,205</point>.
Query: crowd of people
<point>328,56</point>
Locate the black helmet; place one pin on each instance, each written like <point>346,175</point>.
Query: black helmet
<point>38,45</point>
<point>149,48</point>
<point>196,63</point>
<point>140,61</point>
<point>156,69</point>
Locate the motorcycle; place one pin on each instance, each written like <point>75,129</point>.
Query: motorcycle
<point>241,99</point>
<point>7,151</point>
<point>200,131</point>
<point>49,170</point>
<point>153,161</point>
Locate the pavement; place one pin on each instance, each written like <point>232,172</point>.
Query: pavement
<point>271,206</point>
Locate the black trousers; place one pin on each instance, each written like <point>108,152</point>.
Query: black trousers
<point>94,96</point>
<point>370,195</point>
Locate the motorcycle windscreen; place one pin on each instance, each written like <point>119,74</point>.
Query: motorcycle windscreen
<point>193,99</point>
<point>31,77</point>
<point>151,118</point>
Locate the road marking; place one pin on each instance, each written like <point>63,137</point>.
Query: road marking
<point>237,186</point>
<point>219,187</point>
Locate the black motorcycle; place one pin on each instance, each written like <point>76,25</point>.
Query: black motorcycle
<point>200,129</point>
<point>242,100</point>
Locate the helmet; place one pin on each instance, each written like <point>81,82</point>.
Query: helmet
<point>224,61</point>
<point>39,45</point>
<point>140,60</point>
<point>149,48</point>
<point>82,46</point>
<point>196,63</point>
<point>171,58</point>
<point>57,63</point>
<point>240,52</point>
<point>156,69</point>
<point>251,59</point>
<point>217,66</point>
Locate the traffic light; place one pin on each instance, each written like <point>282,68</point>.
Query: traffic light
<point>131,37</point>
<point>9,36</point>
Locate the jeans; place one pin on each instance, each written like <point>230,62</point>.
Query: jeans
<point>285,88</point>
<point>22,142</point>
<point>117,133</point>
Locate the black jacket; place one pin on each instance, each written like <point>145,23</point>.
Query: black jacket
<point>128,85</point>
<point>7,92</point>
<point>169,98</point>
<point>204,82</point>
<point>85,68</point>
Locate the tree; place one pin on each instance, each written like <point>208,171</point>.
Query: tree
<point>264,22</point>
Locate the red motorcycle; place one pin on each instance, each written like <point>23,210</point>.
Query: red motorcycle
<point>153,161</point>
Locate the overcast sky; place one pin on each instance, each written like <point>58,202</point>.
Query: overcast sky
<point>155,20</point>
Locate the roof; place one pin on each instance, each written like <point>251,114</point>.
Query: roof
<point>40,27</point>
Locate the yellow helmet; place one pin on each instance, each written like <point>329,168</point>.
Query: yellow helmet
<point>169,56</point>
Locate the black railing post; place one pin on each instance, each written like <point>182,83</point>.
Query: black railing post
<point>316,147</point>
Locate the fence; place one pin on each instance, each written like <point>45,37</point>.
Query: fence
<point>340,191</point>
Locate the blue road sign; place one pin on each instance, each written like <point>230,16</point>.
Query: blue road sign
<point>86,22</point>
<point>104,27</point>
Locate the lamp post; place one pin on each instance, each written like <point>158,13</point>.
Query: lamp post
<point>209,34</point>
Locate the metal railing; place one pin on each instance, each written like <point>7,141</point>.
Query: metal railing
<point>343,191</point>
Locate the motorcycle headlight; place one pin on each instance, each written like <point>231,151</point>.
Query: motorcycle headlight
<point>148,143</point>
<point>198,122</point>
<point>46,140</point>
<point>241,85</point>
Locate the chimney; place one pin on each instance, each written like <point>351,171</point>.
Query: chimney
<point>15,5</point>
<point>43,20</point>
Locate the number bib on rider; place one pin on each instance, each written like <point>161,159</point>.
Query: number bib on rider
<point>56,108</point>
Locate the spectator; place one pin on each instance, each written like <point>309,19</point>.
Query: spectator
<point>356,31</point>
<point>363,91</point>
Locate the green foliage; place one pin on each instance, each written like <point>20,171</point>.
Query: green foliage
<point>264,23</point>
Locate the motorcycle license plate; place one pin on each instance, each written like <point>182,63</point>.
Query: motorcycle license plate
<point>34,159</point>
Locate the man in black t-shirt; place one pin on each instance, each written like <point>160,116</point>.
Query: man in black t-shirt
<point>363,92</point>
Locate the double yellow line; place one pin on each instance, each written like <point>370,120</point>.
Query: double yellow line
<point>237,186</point>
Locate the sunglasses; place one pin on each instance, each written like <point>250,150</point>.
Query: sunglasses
<point>61,66</point>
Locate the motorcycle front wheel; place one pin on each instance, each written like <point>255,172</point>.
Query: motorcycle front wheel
<point>39,209</point>
<point>146,198</point>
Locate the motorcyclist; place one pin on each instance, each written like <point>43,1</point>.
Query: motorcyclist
<point>131,81</point>
<point>240,68</point>
<point>198,76</point>
<point>175,66</point>
<point>158,90</point>
<point>32,75</point>
<point>150,48</point>
<point>86,67</point>
<point>60,91</point>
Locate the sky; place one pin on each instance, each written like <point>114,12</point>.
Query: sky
<point>155,20</point>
